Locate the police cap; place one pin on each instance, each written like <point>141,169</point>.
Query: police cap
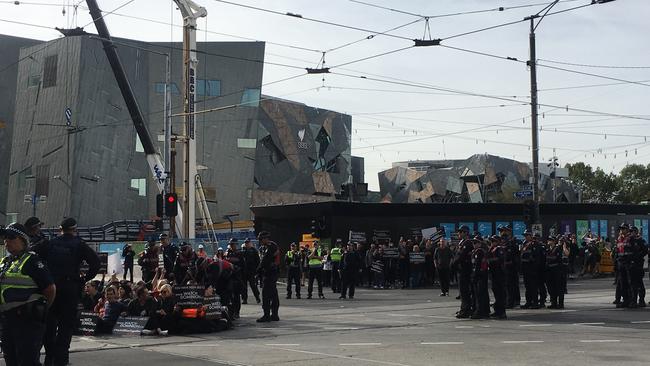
<point>33,222</point>
<point>464,228</point>
<point>528,232</point>
<point>495,238</point>
<point>15,230</point>
<point>68,224</point>
<point>163,236</point>
<point>264,235</point>
<point>232,241</point>
<point>624,226</point>
<point>504,228</point>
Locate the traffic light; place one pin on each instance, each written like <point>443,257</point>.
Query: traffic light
<point>160,205</point>
<point>529,209</point>
<point>315,230</point>
<point>171,204</point>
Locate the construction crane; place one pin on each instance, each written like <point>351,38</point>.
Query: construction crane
<point>185,222</point>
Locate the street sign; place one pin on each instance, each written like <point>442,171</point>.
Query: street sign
<point>527,187</point>
<point>27,198</point>
<point>68,116</point>
<point>537,229</point>
<point>523,194</point>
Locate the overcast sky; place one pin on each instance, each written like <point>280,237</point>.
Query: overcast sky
<point>407,106</point>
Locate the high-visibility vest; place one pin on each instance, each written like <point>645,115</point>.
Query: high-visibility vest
<point>16,288</point>
<point>315,262</point>
<point>335,255</point>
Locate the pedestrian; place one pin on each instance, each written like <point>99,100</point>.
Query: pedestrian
<point>377,267</point>
<point>26,290</point>
<point>315,269</point>
<point>293,261</point>
<point>335,256</point>
<point>512,266</point>
<point>429,266</point>
<point>416,267</point>
<point>63,256</point>
<point>269,270</point>
<point>480,280</point>
<point>169,254</point>
<point>350,266</point>
<point>33,226</point>
<point>496,263</point>
<point>148,261</point>
<point>442,260</point>
<point>403,249</point>
<point>234,256</point>
<point>129,255</point>
<point>252,258</point>
<point>463,261</point>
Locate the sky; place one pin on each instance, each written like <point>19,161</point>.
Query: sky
<point>449,101</point>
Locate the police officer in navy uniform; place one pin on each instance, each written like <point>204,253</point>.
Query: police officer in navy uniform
<point>512,264</point>
<point>555,276</point>
<point>33,226</point>
<point>169,252</point>
<point>269,270</point>
<point>26,290</point>
<point>640,250</point>
<point>530,269</point>
<point>234,256</point>
<point>63,256</point>
<point>463,263</point>
<point>496,264</point>
<point>480,280</point>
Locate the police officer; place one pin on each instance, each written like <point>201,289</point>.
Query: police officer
<point>63,256</point>
<point>169,252</point>
<point>185,260</point>
<point>636,267</point>
<point>218,275</point>
<point>530,269</point>
<point>624,254</point>
<point>33,226</point>
<point>496,263</point>
<point>236,257</point>
<point>148,261</point>
<point>315,263</point>
<point>252,257</point>
<point>350,266</point>
<point>463,263</point>
<point>480,280</point>
<point>335,255</point>
<point>555,276</point>
<point>293,260</point>
<point>26,290</point>
<point>512,264</point>
<point>541,249</point>
<point>269,269</point>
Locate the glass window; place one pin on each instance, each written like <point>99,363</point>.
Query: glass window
<point>246,143</point>
<point>50,70</point>
<point>209,88</point>
<point>33,80</point>
<point>251,98</point>
<point>159,88</point>
<point>138,144</point>
<point>141,185</point>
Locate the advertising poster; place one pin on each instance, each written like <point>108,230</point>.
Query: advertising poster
<point>604,232</point>
<point>450,229</point>
<point>594,226</point>
<point>518,228</point>
<point>568,227</point>
<point>485,228</point>
<point>644,231</point>
<point>582,226</point>
<point>637,223</point>
<point>472,230</point>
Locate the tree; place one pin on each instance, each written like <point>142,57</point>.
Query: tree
<point>634,183</point>
<point>631,185</point>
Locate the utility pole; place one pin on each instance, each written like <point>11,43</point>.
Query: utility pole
<point>190,11</point>
<point>553,164</point>
<point>532,64</point>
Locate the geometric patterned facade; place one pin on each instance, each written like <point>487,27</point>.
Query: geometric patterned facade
<point>480,178</point>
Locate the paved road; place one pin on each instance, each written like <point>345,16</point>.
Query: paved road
<point>402,327</point>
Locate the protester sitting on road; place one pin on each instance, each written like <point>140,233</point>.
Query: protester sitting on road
<point>91,295</point>
<point>109,310</point>
<point>143,304</point>
<point>125,293</point>
<point>165,317</point>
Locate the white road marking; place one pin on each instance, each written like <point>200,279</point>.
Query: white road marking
<point>517,342</point>
<point>641,322</point>
<point>282,344</point>
<point>359,344</point>
<point>441,343</point>
<point>535,325</point>
<point>464,326</point>
<point>344,357</point>
<point>339,328</point>
<point>600,340</point>
<point>597,323</point>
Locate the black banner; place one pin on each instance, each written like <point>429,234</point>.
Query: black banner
<point>87,323</point>
<point>381,236</point>
<point>130,325</point>
<point>212,306</point>
<point>189,296</point>
<point>103,264</point>
<point>357,236</point>
<point>415,233</point>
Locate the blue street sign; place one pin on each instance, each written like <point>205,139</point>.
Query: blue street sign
<point>523,194</point>
<point>68,116</point>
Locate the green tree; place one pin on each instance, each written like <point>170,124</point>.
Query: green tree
<point>595,185</point>
<point>634,184</point>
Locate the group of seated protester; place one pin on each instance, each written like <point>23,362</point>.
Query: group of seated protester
<point>154,300</point>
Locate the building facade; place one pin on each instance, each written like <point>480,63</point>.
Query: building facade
<point>93,166</point>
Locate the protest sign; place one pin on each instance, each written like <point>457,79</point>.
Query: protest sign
<point>212,306</point>
<point>103,264</point>
<point>87,321</point>
<point>129,325</point>
<point>416,257</point>
<point>357,236</point>
<point>189,296</point>
<point>391,252</point>
<point>381,236</point>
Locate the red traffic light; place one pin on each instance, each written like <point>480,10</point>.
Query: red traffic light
<point>171,199</point>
